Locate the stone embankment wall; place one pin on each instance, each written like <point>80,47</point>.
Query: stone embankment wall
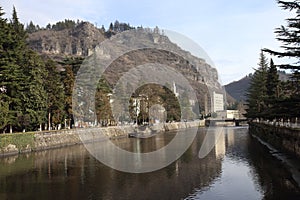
<point>16,143</point>
<point>284,138</point>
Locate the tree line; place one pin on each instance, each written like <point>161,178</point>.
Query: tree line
<point>113,28</point>
<point>34,94</point>
<point>268,97</point>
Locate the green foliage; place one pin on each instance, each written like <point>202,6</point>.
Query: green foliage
<point>4,107</point>
<point>56,94</point>
<point>289,35</point>
<point>67,24</point>
<point>272,82</point>
<point>31,28</point>
<point>102,104</point>
<point>22,79</point>
<point>257,92</point>
<point>153,94</point>
<point>117,27</point>
<point>21,140</point>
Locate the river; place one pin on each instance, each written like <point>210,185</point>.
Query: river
<point>238,167</point>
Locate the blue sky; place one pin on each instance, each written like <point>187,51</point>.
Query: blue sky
<point>232,32</point>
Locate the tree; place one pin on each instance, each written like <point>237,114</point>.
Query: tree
<point>31,93</point>
<point>56,97</point>
<point>116,26</point>
<point>17,26</point>
<point>4,107</point>
<point>71,66</point>
<point>289,35</point>
<point>35,98</point>
<point>12,79</point>
<point>272,97</point>
<point>150,95</point>
<point>22,78</point>
<point>272,82</point>
<point>257,91</point>
<point>102,103</point>
<point>31,28</point>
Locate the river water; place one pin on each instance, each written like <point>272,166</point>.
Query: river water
<point>238,167</point>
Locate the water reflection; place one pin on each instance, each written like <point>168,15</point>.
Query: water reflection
<point>237,167</point>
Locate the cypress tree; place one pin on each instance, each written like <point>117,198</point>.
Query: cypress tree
<point>257,92</point>
<point>22,77</point>
<point>289,35</point>
<point>55,92</point>
<point>272,86</point>
<point>11,78</point>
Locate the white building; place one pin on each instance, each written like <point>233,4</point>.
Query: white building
<point>218,102</point>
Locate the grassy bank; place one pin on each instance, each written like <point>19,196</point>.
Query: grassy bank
<point>20,140</point>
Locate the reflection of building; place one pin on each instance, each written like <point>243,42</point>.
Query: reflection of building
<point>220,148</point>
<point>230,137</point>
<point>218,102</point>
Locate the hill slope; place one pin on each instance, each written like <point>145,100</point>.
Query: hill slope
<point>238,89</point>
<point>79,41</point>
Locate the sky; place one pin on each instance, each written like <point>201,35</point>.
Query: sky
<point>231,32</point>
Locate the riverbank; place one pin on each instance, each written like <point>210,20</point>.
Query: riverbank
<point>283,138</point>
<point>12,144</point>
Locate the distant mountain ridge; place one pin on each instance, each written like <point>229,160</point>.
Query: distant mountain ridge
<point>238,89</point>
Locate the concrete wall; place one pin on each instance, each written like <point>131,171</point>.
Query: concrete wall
<point>11,144</point>
<point>284,138</point>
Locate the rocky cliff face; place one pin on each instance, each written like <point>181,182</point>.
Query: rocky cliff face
<point>82,40</point>
<point>78,41</point>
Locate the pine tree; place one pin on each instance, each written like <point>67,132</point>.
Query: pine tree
<point>272,82</point>
<point>17,26</point>
<point>35,98</point>
<point>289,35</point>
<point>31,28</point>
<point>71,66</point>
<point>56,97</point>
<point>22,75</point>
<point>257,92</point>
<point>4,99</point>
<point>102,103</point>
<point>4,108</point>
<point>11,79</point>
<point>272,86</point>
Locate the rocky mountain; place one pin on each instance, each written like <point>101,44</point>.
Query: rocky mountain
<point>238,89</point>
<point>81,40</point>
<point>77,41</point>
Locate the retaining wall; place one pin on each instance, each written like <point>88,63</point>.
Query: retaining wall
<point>284,138</point>
<point>16,143</point>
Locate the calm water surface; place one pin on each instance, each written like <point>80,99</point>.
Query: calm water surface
<point>238,167</point>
